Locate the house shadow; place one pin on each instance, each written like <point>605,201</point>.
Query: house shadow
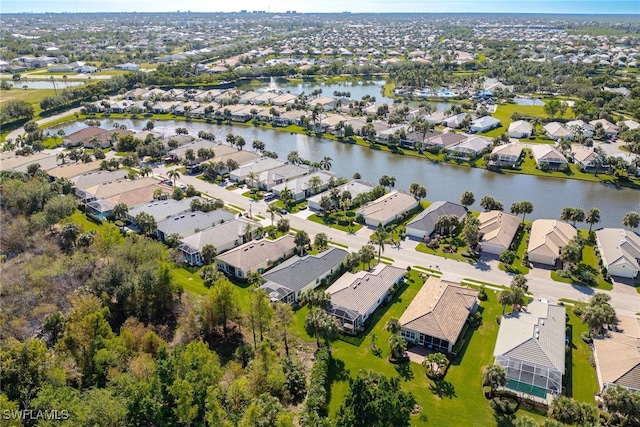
<point>442,388</point>
<point>482,265</point>
<point>467,339</point>
<point>337,372</point>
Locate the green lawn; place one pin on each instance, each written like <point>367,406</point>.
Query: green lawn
<point>581,379</point>
<point>589,263</point>
<point>354,227</point>
<point>520,241</point>
<point>457,255</point>
<point>459,401</point>
<point>190,280</point>
<point>32,96</point>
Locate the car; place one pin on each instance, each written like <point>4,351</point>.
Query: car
<point>182,187</point>
<point>283,211</point>
<point>167,182</point>
<point>268,196</point>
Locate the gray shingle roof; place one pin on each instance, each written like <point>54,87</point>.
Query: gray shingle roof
<point>298,272</point>
<point>426,220</point>
<point>254,253</point>
<point>187,223</point>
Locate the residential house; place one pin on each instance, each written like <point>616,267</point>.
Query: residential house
<point>255,166</point>
<point>497,230</point>
<point>223,236</point>
<point>247,97</point>
<point>484,124</point>
<point>507,155</point>
<point>617,355</point>
<point>288,280</point>
<point>388,208</point>
<point>326,102</point>
<point>547,156</point>
<point>278,175</point>
<point>445,140</point>
<point>454,121</point>
<point>82,136</point>
<point>424,224</point>
<point>256,256</point>
<point>300,188</point>
<point>557,131</point>
<point>520,129</point>
<point>547,238</point>
<point>588,157</point>
<point>470,148</point>
<point>189,223</point>
<point>355,187</point>
<point>578,127</point>
<point>437,314</point>
<point>609,128</point>
<point>629,124</point>
<point>163,209</point>
<point>284,99</point>
<point>355,296</point>
<point>531,349</point>
<point>620,251</point>
<point>127,67</point>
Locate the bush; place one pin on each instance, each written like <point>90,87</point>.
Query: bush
<point>504,404</point>
<point>586,337</point>
<point>482,294</point>
<point>486,390</point>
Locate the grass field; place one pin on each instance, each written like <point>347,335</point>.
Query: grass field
<point>32,96</point>
<point>354,227</point>
<point>521,241</point>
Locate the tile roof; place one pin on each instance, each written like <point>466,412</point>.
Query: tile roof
<point>439,309</point>
<point>618,354</point>
<point>535,336</point>
<point>388,206</point>
<point>618,245</point>
<point>548,236</point>
<point>188,223</point>
<point>498,227</point>
<point>220,235</point>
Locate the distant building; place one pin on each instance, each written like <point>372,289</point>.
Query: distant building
<point>256,256</point>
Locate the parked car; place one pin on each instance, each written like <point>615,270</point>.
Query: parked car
<point>167,182</point>
<point>283,211</point>
<point>182,187</point>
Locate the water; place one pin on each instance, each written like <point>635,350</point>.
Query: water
<point>356,89</point>
<point>443,181</point>
<point>45,84</point>
<point>528,101</point>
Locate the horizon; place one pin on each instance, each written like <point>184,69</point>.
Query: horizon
<point>563,7</point>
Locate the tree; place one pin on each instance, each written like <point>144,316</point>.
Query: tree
<point>173,175</point>
<point>325,204</point>
<point>286,196</point>
<point>315,298</point>
<point>258,145</point>
<point>488,203</point>
<point>418,191</point>
<point>375,400</point>
<point>572,214</point>
<point>69,233</point>
<point>471,232</point>
<point>552,107</point>
<point>320,241</point>
<point>523,208</point>
<point>283,226</point>
<point>520,281</point>
<point>569,411</point>
<point>145,223</point>
<point>120,211</point>
<point>272,210</point>
<point>571,253</point>
<point>631,220</point>
<point>260,313</point>
<point>210,275</point>
<point>467,199</point>
<point>302,240</point>
<point>58,208</point>
<point>252,177</point>
<point>325,163</point>
<point>434,363</point>
<point>208,252</point>
<point>387,181</point>
<point>592,217</point>
<point>494,376</point>
<point>393,326</point>
<point>283,315</point>
<point>447,224</point>
<point>240,142</point>
<point>397,346</point>
<point>507,257</point>
<point>622,402</point>
<point>597,316</point>
<point>367,253</point>
<point>380,238</point>
<point>316,322</point>
<point>220,306</point>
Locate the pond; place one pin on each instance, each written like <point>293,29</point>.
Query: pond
<point>45,84</point>
<point>443,181</point>
<point>356,91</point>
<point>528,101</point>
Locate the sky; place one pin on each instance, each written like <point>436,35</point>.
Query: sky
<point>354,6</point>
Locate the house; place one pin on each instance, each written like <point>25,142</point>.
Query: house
<point>547,238</point>
<point>470,148</point>
<point>278,175</point>
<point>548,157</point>
<point>223,236</point>
<point>620,251</point>
<point>424,224</point>
<point>326,102</point>
<point>188,223</point>
<point>557,131</point>
<point>588,157</point>
<point>162,209</point>
<point>609,128</point>
<point>288,280</point>
<point>629,124</point>
<point>506,155</point>
<point>257,256</point>
<point>247,97</point>
<point>284,99</point>
<point>129,66</point>
<point>578,127</point>
<point>531,349</point>
<point>300,188</point>
<point>355,296</point>
<point>484,124</point>
<point>617,355</point>
<point>444,140</point>
<point>454,121</point>
<point>388,208</point>
<point>355,187</point>
<point>497,230</point>
<point>437,314</point>
<point>79,138</point>
<point>255,166</point>
<point>520,129</point>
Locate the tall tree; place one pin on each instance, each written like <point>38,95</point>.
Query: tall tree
<point>523,208</point>
<point>631,220</point>
<point>302,240</point>
<point>592,217</point>
<point>283,315</point>
<point>380,238</point>
<point>494,376</point>
<point>418,191</point>
<point>220,306</point>
<point>467,199</point>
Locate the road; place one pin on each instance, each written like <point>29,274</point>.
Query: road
<point>623,297</point>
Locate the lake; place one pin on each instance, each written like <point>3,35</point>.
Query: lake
<point>45,84</point>
<point>443,181</point>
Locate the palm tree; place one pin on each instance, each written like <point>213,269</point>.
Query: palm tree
<point>523,208</point>
<point>147,170</point>
<point>315,183</point>
<point>467,199</point>
<point>325,163</point>
<point>315,298</point>
<point>631,220</point>
<point>252,177</point>
<point>505,298</point>
<point>367,253</point>
<point>380,237</point>
<point>285,196</point>
<point>434,363</point>
<point>393,326</point>
<point>571,253</point>
<point>494,376</point>
<point>273,210</point>
<point>301,240</point>
<point>313,321</point>
<point>418,191</point>
<point>173,175</point>
<point>592,217</point>
<point>120,211</point>
<point>397,345</point>
<point>597,316</point>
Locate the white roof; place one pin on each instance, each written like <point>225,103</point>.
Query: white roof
<point>619,246</point>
